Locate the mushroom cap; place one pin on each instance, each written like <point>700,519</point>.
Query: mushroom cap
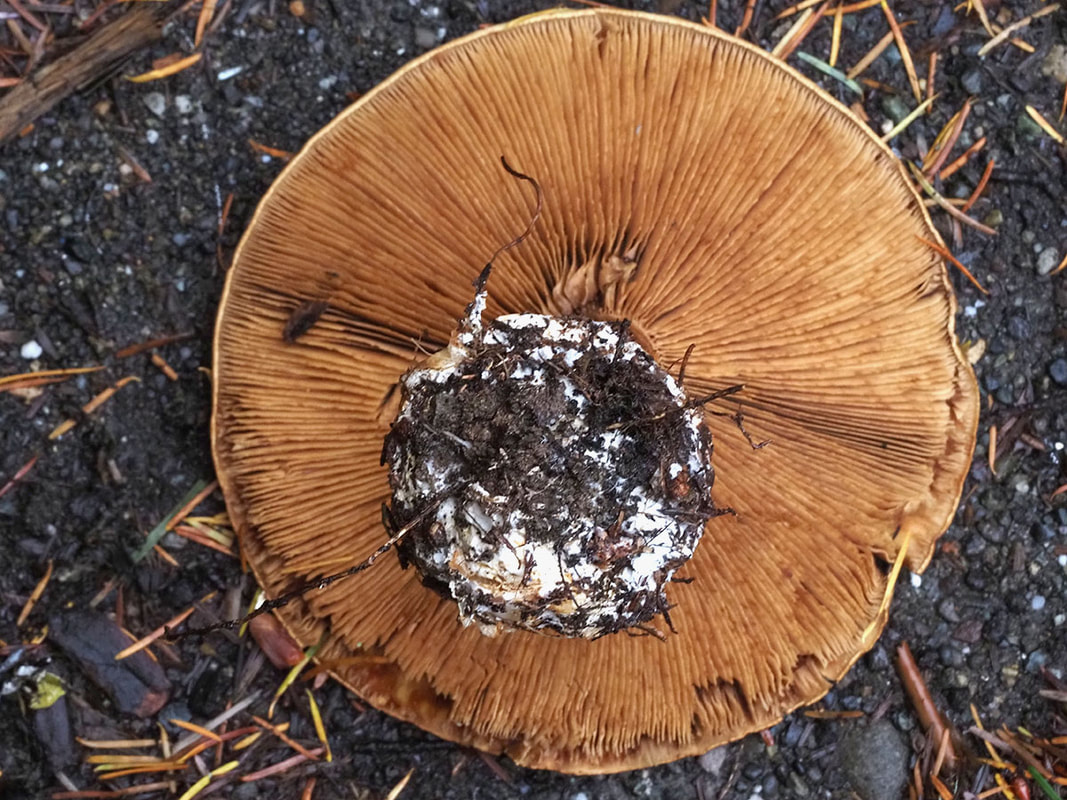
<point>694,185</point>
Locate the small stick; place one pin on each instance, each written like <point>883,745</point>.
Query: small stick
<point>902,46</point>
<point>140,347</point>
<point>318,583</point>
<point>930,716</point>
<point>946,140</point>
<point>931,74</point>
<point>746,20</point>
<point>959,163</point>
<point>1008,31</point>
<point>38,590</point>
<point>98,54</point>
<point>980,187</point>
<point>944,253</point>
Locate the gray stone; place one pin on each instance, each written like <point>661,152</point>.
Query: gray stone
<point>712,761</point>
<point>156,103</point>
<point>1057,370</point>
<point>1047,261</point>
<point>874,759</point>
<point>972,81</point>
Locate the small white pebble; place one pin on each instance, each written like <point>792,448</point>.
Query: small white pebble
<point>1059,619</point>
<point>1063,560</point>
<point>916,580</point>
<point>31,350</point>
<point>1022,487</point>
<point>232,72</point>
<point>151,136</point>
<point>1038,602</point>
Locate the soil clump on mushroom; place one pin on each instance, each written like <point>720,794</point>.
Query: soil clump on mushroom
<point>565,475</point>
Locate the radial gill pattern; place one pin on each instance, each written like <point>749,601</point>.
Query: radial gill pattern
<point>695,186</point>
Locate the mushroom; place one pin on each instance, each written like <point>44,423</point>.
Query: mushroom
<point>714,198</point>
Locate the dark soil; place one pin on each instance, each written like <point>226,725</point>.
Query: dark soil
<point>94,259</point>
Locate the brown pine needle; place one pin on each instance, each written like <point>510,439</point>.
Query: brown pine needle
<point>953,212</point>
<point>24,470</point>
<point>1060,268</point>
<point>713,14</point>
<point>35,595</point>
<point>1008,31</point>
<point>835,41</point>
<point>164,367</point>
<point>394,793</point>
<point>25,379</point>
<point>848,8</point>
<point>942,749</point>
<point>746,19</point>
<point>939,786</point>
<point>140,347</point>
<point>163,766</point>
<point>207,11</point>
<point>1046,126</point>
<point>309,789</point>
<point>167,71</point>
<point>997,762</point>
<point>277,731</point>
<point>274,152</point>
<point>993,449</point>
<point>798,32</point>
<point>187,509</point>
<point>166,556</point>
<point>946,140</point>
<point>224,215</point>
<point>980,187</point>
<point>931,74</point>
<point>960,162</point>
<point>123,760</point>
<point>91,406</point>
<point>979,6</point>
<point>905,53</point>
<point>280,767</point>
<point>193,728</point>
<point>944,253</point>
<point>143,642</point>
<point>193,535</point>
<point>115,744</point>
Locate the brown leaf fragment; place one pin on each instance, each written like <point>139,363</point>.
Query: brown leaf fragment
<point>135,685</point>
<point>303,319</point>
<point>52,727</point>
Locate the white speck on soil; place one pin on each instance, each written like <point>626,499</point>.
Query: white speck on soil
<point>31,350</point>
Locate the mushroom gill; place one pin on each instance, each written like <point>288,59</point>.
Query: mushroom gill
<point>705,192</point>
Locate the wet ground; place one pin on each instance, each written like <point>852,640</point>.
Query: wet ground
<point>95,258</point>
